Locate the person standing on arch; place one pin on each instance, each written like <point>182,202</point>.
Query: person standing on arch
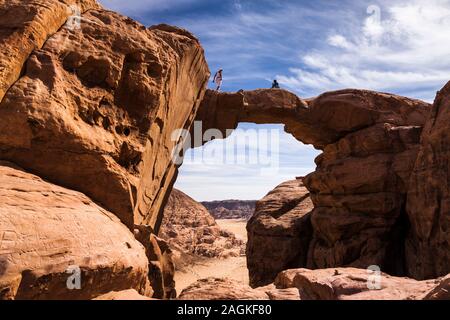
<point>218,77</point>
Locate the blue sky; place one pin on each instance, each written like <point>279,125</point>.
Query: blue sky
<point>310,47</point>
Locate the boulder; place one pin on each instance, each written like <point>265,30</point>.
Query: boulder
<point>279,232</point>
<point>428,202</point>
<point>95,108</point>
<point>49,235</point>
<point>221,289</point>
<point>126,295</point>
<point>358,284</point>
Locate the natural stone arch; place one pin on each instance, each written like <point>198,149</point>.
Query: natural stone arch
<point>370,142</point>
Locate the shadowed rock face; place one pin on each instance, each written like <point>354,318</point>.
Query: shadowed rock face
<point>428,243</point>
<point>95,107</point>
<point>279,232</point>
<point>370,142</point>
<point>359,284</point>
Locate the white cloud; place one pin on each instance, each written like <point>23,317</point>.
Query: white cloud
<point>212,179</point>
<point>401,47</point>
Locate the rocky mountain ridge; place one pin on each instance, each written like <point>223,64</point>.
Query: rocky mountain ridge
<point>231,209</point>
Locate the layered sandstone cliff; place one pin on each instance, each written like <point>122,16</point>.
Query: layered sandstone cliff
<point>95,107</point>
<point>89,100</point>
<point>87,113</point>
<point>428,241</point>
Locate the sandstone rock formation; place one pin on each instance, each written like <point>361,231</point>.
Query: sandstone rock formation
<point>96,106</point>
<point>231,209</point>
<point>428,242</point>
<point>360,184</point>
<point>358,284</point>
<point>90,103</point>
<point>323,284</point>
<point>126,295</point>
<point>226,289</point>
<point>279,233</point>
<point>190,229</point>
<point>47,232</point>
<point>370,142</point>
<point>161,264</point>
<point>25,26</point>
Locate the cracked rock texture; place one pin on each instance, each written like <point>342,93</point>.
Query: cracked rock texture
<point>428,203</point>
<point>96,106</point>
<point>45,230</point>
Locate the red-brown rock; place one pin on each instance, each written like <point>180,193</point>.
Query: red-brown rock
<point>96,106</point>
<point>46,231</point>
<point>428,205</point>
<point>279,232</point>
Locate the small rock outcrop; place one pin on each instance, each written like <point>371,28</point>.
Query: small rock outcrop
<point>231,209</point>
<point>279,233</point>
<point>190,229</point>
<point>359,284</point>
<point>323,284</point>
<point>49,233</point>
<point>226,289</point>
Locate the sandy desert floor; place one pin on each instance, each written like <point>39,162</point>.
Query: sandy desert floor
<point>232,268</point>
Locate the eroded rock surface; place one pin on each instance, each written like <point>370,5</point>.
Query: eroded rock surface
<point>25,26</point>
<point>358,284</point>
<point>161,263</point>
<point>370,142</point>
<point>226,289</point>
<point>47,231</point>
<point>190,229</point>
<point>279,232</point>
<point>428,243</point>
<point>126,295</point>
<point>96,106</point>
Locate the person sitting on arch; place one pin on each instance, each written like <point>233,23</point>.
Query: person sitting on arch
<point>275,84</point>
